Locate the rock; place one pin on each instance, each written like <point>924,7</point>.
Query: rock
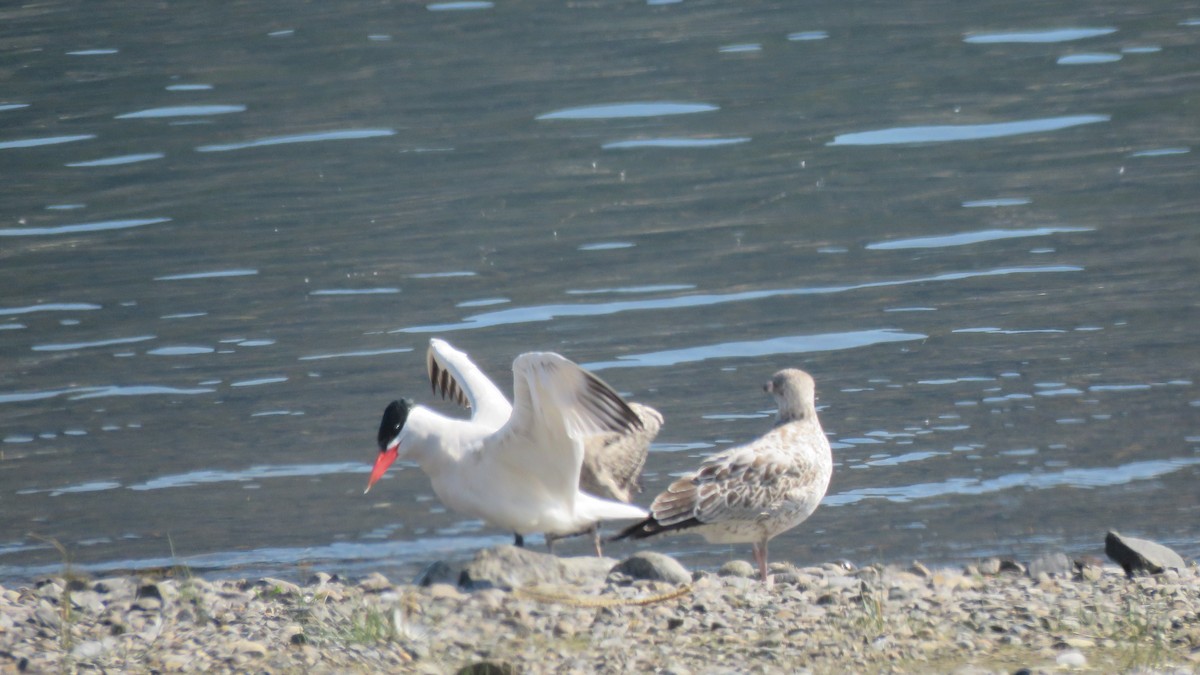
<point>439,572</point>
<point>149,591</point>
<point>737,568</point>
<point>88,602</point>
<point>1072,659</point>
<point>1054,565</point>
<point>510,567</point>
<point>654,567</point>
<point>445,592</point>
<point>486,668</point>
<point>248,647</point>
<point>321,578</point>
<point>271,587</point>
<point>1011,566</point>
<point>375,583</point>
<point>89,650</point>
<point>1138,555</point>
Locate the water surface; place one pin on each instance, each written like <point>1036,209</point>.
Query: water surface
<point>227,237</point>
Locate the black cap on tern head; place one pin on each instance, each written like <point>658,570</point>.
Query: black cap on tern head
<point>394,417</point>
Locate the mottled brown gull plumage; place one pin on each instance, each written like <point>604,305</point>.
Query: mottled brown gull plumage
<point>753,492</point>
<point>613,462</point>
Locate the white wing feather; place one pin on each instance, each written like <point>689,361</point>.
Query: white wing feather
<point>557,404</point>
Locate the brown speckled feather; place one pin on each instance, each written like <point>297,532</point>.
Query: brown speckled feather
<point>612,463</point>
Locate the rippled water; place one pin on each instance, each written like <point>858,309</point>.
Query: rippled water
<point>226,238</point>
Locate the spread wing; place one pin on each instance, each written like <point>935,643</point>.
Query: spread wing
<point>453,375</point>
<point>557,405</point>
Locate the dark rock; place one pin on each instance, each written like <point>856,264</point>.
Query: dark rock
<point>654,567</point>
<point>149,591</point>
<point>1009,565</point>
<point>1054,565</point>
<point>510,567</point>
<point>438,572</point>
<point>485,668</point>
<point>1140,555</point>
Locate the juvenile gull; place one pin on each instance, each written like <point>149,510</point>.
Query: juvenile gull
<point>753,492</point>
<point>612,461</point>
<point>514,466</point>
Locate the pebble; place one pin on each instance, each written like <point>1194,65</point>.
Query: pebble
<point>1072,659</point>
<point>826,618</point>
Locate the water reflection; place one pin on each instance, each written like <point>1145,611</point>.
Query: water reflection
<point>48,140</point>
<point>537,313</point>
<point>965,238</point>
<point>792,344</point>
<point>805,36</point>
<point>215,274</point>
<point>1087,59</point>
<point>316,137</point>
<point>1048,35</point>
<point>964,132</point>
<point>183,111</point>
<point>118,160</point>
<point>463,5</point>
<point>1077,478</point>
<point>620,110</point>
<point>675,143</point>
<point>81,227</point>
<point>993,203</point>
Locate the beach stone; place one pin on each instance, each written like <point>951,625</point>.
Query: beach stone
<point>88,602</point>
<point>737,568</point>
<point>444,592</point>
<point>90,649</point>
<point>653,566</point>
<point>1011,566</point>
<point>438,572</point>
<point>1071,659</point>
<point>1138,555</point>
<point>510,567</point>
<point>375,583</point>
<point>272,586</point>
<point>320,578</point>
<point>1053,564</point>
<point>248,647</point>
<point>149,590</point>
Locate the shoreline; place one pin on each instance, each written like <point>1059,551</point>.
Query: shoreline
<point>531,612</point>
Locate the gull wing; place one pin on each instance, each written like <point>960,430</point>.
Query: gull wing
<point>557,405</point>
<point>453,375</point>
<point>736,485</point>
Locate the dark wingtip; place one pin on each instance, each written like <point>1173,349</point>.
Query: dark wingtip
<point>650,527</point>
<point>639,530</point>
<point>622,417</point>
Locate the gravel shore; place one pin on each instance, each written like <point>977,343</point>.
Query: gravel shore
<point>1051,616</point>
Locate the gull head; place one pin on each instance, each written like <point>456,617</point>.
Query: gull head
<point>795,393</point>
